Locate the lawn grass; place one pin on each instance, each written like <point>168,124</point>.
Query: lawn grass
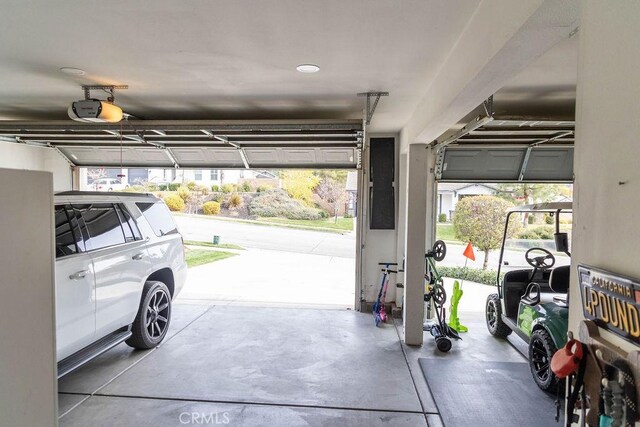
<point>345,224</point>
<point>196,257</point>
<point>445,232</point>
<point>211,245</point>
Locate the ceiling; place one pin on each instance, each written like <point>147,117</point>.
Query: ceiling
<point>219,60</point>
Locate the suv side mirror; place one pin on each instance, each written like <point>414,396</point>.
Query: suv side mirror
<point>562,242</point>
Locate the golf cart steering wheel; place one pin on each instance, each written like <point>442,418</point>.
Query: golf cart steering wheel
<point>543,261</point>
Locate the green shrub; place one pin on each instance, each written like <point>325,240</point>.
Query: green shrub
<point>323,213</point>
<point>263,188</point>
<point>184,193</point>
<point>149,186</point>
<point>211,208</point>
<point>203,189</point>
<point>215,188</point>
<point>277,203</point>
<point>163,187</point>
<point>218,197</point>
<point>528,234</point>
<point>234,201</point>
<point>486,277</point>
<point>192,186</point>
<point>174,186</point>
<point>442,217</point>
<point>348,215</point>
<point>174,202</point>
<point>229,188</point>
<point>246,187</point>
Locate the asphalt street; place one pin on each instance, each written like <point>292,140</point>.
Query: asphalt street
<point>267,237</point>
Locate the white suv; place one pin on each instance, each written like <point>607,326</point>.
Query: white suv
<point>119,263</point>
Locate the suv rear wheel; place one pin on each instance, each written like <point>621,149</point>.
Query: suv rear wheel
<point>493,313</point>
<point>152,321</point>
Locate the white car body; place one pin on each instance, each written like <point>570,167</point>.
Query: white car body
<point>99,283</point>
<point>108,184</point>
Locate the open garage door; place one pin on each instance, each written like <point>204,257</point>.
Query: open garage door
<point>197,144</point>
<point>507,150</point>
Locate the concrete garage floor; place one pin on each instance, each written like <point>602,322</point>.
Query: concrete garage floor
<point>266,366</point>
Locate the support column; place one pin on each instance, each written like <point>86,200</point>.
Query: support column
<point>418,179</point>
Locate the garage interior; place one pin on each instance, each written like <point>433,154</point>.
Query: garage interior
<point>478,91</point>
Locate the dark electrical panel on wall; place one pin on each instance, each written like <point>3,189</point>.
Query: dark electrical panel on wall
<point>382,201</point>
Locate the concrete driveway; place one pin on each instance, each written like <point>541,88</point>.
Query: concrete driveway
<point>281,266</point>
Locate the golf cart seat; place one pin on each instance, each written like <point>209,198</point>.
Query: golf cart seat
<point>559,283</point>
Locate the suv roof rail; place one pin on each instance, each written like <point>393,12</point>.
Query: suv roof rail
<point>103,193</point>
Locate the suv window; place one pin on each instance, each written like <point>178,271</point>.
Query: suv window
<point>159,218</point>
<point>65,235</point>
<point>131,231</point>
<point>103,225</point>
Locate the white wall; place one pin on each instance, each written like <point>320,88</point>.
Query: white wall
<point>28,385</point>
<point>21,156</point>
<point>379,245</point>
<point>607,179</point>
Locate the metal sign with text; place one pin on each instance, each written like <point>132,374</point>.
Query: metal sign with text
<point>611,301</point>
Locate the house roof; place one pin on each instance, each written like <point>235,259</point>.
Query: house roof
<point>450,187</point>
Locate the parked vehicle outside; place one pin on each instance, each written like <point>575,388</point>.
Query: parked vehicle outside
<point>109,184</point>
<point>119,263</point>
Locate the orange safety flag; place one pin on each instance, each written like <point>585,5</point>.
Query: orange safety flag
<point>468,252</point>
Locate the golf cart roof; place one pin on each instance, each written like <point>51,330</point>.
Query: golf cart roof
<point>544,207</point>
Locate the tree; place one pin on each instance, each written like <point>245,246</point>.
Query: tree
<point>527,193</point>
<point>299,183</point>
<point>333,193</point>
<point>480,220</point>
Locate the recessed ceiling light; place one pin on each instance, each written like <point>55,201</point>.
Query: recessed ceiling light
<point>308,68</point>
<point>72,71</point>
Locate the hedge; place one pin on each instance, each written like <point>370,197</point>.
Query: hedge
<point>211,208</point>
<point>174,202</point>
<point>277,203</point>
<point>486,277</point>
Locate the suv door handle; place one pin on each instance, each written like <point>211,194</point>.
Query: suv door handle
<point>138,257</point>
<point>79,275</point>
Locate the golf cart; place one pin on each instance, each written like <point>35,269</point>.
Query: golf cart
<point>532,301</point>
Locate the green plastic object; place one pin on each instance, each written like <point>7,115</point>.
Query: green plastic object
<point>454,321</point>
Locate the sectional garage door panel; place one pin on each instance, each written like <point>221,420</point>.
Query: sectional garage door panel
<point>207,157</point>
<point>482,164</point>
<point>302,157</point>
<point>490,164</point>
<point>107,156</point>
<point>550,164</point>
<point>228,144</point>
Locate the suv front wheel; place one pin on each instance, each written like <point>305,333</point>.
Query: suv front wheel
<point>152,321</point>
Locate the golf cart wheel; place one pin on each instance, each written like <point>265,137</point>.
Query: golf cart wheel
<point>493,316</point>
<point>443,344</point>
<point>152,321</point>
<point>541,350</point>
